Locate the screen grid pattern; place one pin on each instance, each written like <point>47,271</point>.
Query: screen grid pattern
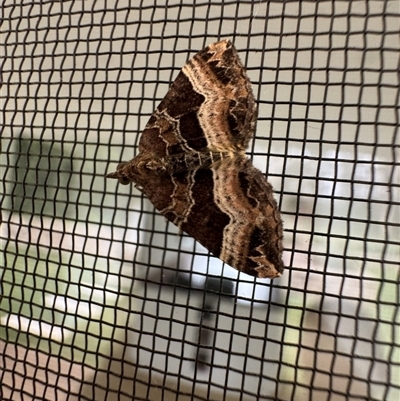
<point>103,299</point>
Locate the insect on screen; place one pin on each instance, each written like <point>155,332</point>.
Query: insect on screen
<point>103,297</point>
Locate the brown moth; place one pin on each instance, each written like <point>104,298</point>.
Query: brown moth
<point>192,164</point>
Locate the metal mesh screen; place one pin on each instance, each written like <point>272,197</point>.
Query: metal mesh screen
<point>102,299</point>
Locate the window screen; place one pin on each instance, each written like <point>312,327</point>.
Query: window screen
<point>103,299</point>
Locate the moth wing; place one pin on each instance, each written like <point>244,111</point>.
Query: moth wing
<point>230,209</point>
<point>210,105</point>
<point>253,238</point>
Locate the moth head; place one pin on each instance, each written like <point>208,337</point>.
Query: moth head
<point>120,175</point>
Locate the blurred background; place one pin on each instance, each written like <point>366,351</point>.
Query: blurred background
<point>103,299</point>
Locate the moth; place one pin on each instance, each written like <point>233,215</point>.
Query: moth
<point>193,167</point>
